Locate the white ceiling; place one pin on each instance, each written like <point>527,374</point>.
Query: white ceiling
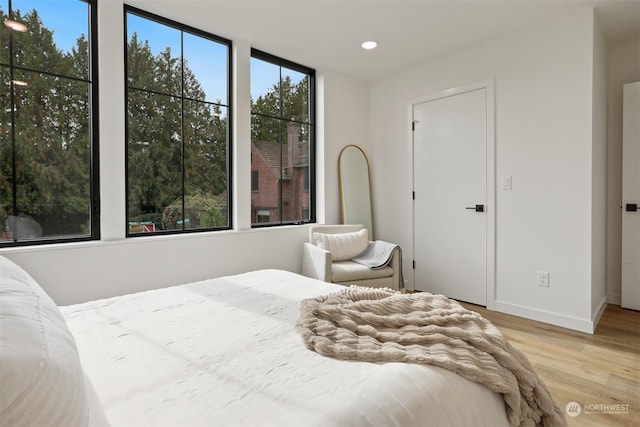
<point>326,34</point>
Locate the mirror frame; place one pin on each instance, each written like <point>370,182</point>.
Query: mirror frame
<point>351,182</point>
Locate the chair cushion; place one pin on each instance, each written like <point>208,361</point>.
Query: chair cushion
<point>343,246</point>
<point>346,271</point>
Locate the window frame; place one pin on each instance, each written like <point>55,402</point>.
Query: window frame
<point>311,190</point>
<point>229,160</point>
<point>94,133</point>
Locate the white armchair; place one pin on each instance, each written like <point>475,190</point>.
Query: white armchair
<point>317,263</point>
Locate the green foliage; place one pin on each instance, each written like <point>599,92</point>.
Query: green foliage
<point>163,129</point>
<point>285,101</point>
<point>52,130</point>
<point>175,145</point>
<point>201,211</point>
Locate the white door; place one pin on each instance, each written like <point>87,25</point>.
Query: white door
<point>452,209</point>
<point>631,197</point>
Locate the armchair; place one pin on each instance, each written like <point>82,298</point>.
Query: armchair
<point>318,263</point>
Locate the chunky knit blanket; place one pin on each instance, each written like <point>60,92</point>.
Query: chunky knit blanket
<point>382,325</point>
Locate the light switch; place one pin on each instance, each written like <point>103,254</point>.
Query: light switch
<point>506,182</point>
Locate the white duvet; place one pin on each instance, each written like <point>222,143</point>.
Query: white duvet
<point>225,352</point>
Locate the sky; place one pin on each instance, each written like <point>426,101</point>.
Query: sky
<point>206,58</point>
<point>68,20</point>
<point>202,55</point>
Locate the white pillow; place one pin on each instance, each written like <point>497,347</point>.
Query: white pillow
<point>343,246</point>
<point>41,378</point>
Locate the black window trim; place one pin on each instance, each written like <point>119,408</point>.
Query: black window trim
<point>200,33</point>
<point>276,60</point>
<point>94,123</point>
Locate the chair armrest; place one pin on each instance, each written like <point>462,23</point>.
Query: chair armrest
<point>396,265</point>
<point>316,262</point>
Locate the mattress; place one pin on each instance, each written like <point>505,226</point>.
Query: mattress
<point>225,352</point>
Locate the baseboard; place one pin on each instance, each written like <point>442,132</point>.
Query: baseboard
<point>615,299</point>
<point>562,320</point>
<point>597,314</point>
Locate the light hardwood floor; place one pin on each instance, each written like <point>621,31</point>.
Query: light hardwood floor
<point>598,369</point>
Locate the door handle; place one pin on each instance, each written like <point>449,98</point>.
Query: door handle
<point>631,207</point>
<point>477,208</point>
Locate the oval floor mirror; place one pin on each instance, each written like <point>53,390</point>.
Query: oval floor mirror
<point>355,192</point>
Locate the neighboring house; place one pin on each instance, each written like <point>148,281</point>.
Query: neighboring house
<point>280,179</point>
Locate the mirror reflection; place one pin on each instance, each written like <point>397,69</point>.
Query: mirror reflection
<point>355,192</point>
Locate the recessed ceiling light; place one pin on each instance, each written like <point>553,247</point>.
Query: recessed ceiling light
<point>369,45</point>
<point>15,26</point>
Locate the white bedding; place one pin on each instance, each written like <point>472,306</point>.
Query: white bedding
<point>225,352</point>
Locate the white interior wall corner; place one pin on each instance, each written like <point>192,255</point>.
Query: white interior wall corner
<point>544,97</point>
<point>346,122</point>
<point>599,173</point>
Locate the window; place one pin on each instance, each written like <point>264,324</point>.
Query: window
<point>305,183</point>
<point>48,122</point>
<point>262,216</point>
<point>255,180</point>
<point>282,140</point>
<point>177,116</point>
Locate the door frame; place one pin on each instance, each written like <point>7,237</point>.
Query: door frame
<point>630,254</point>
<point>490,210</point>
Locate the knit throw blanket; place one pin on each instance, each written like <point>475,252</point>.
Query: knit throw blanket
<point>382,325</point>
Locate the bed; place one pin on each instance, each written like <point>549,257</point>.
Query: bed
<point>220,352</point>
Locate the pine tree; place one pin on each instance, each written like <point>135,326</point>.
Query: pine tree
<point>285,100</point>
<point>168,137</point>
<point>52,145</point>
<point>165,125</point>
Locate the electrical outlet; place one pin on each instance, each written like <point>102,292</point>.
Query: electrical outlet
<point>543,279</point>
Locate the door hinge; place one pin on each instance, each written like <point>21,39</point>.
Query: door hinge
<point>414,264</point>
<point>413,195</point>
<point>413,126</point>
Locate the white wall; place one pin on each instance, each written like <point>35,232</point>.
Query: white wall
<point>346,115</point>
<point>543,81</point>
<point>624,67</point>
<point>73,273</point>
<point>599,297</point>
